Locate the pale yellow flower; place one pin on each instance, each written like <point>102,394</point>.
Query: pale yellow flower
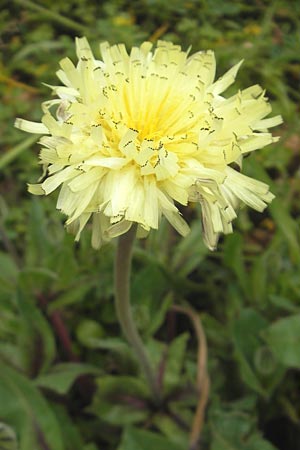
<point>134,135</point>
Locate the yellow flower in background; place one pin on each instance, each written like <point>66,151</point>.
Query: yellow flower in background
<point>134,135</point>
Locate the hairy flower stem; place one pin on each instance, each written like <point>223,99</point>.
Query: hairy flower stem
<point>122,303</point>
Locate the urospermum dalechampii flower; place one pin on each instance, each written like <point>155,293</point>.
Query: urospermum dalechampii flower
<point>136,134</point>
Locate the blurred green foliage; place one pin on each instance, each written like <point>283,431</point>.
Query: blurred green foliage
<point>68,380</point>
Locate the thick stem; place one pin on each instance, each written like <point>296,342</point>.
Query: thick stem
<point>122,303</point>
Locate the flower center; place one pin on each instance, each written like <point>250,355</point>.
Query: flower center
<point>145,118</point>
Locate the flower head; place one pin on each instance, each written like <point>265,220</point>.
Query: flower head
<point>134,135</point>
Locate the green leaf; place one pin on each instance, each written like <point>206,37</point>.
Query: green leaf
<point>245,334</point>
<point>149,279</point>
<point>116,345</point>
<point>121,414</point>
<point>38,246</point>
<point>175,359</point>
<point>189,252</point>
<point>37,325</point>
<point>149,306</point>
<point>90,447</point>
<point>283,337</point>
<point>233,258</point>
<point>62,376</point>
<point>171,430</point>
<point>89,333</point>
<point>121,384</point>
<point>120,400</point>
<point>279,212</point>
<point>75,294</point>
<point>62,260</point>
<point>135,439</point>
<point>159,315</point>
<point>256,442</point>
<point>287,226</point>
<point>69,430</point>
<point>283,303</point>
<point>234,430</point>
<point>259,280</point>
<point>8,439</point>
<point>8,273</point>
<point>228,431</point>
<point>24,408</point>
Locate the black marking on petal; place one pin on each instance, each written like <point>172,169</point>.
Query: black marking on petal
<point>157,162</point>
<point>116,124</point>
<point>127,143</point>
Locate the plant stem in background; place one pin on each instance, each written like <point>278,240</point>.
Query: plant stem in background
<point>52,15</point>
<point>123,308</point>
<point>203,381</point>
<point>15,152</point>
